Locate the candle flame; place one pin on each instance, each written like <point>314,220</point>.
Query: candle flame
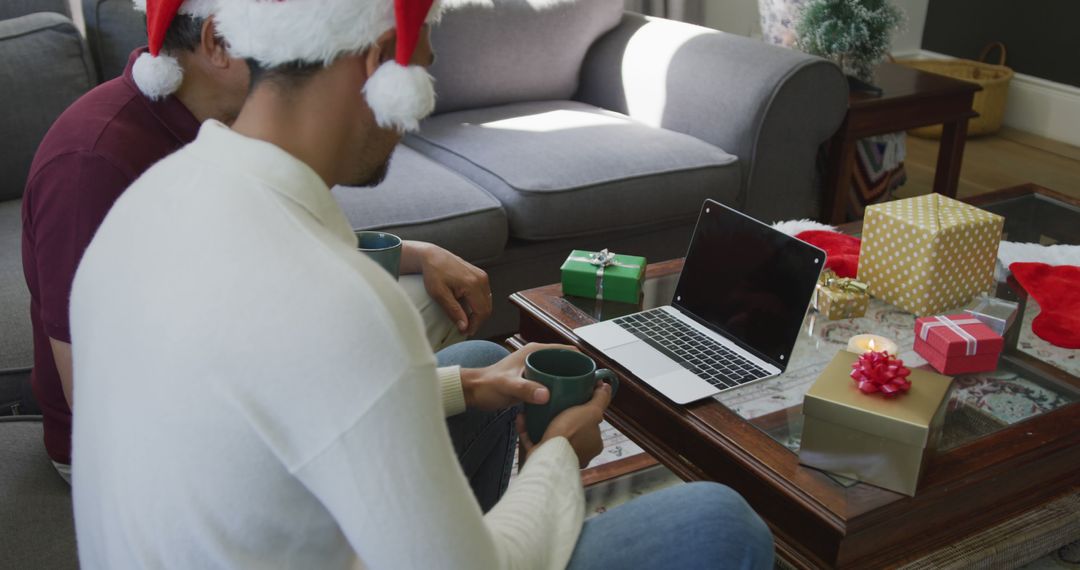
<point>871,345</point>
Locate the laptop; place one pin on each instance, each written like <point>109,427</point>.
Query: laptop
<point>736,314</point>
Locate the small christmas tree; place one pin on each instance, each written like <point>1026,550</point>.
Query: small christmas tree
<point>853,33</point>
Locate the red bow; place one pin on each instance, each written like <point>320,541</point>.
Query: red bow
<point>879,372</point>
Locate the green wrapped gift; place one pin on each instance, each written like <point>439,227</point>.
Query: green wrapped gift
<point>603,275</point>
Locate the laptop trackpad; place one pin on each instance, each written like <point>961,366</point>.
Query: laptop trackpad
<point>643,360</point>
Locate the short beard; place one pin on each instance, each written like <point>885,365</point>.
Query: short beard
<point>376,177</point>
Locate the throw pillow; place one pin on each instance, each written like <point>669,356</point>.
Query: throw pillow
<point>509,51</point>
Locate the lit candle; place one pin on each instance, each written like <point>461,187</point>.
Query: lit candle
<point>861,343</point>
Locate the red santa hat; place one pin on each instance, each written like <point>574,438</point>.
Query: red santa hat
<point>319,31</point>
<point>156,74</point>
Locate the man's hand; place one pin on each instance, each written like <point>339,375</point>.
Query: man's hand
<point>461,288</point>
<point>580,425</point>
<point>62,357</point>
<point>500,385</point>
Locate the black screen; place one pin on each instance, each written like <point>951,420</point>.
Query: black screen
<point>748,281</point>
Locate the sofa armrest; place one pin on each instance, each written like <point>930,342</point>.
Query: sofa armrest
<point>772,107</point>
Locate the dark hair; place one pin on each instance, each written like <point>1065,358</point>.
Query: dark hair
<point>290,75</point>
<point>184,33</point>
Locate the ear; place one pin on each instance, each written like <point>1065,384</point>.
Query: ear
<point>381,51</point>
<point>213,46</point>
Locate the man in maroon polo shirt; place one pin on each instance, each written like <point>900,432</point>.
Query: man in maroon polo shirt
<point>90,155</point>
<point>106,140</point>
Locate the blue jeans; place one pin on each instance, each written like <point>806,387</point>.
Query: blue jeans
<point>694,525</point>
<point>484,441</point>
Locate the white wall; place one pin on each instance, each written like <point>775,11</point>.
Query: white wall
<point>909,39</point>
<point>741,17</point>
<point>734,16</point>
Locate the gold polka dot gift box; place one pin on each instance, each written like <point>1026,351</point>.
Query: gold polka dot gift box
<point>928,254</point>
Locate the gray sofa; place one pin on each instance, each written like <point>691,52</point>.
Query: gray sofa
<point>37,529</point>
<point>575,126</point>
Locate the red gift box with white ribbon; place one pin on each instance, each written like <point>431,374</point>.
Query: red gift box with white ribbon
<point>957,344</point>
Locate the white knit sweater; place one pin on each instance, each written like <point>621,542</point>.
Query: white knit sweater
<point>253,393</point>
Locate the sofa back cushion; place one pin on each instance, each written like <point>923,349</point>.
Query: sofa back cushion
<point>507,51</point>
<point>113,29</point>
<point>15,8</point>
<point>44,67</point>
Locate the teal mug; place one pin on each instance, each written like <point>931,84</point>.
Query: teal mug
<point>382,248</point>
<point>570,378</point>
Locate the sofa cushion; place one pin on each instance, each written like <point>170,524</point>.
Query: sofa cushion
<point>114,29</point>
<point>15,8</point>
<point>16,338</point>
<point>423,200</point>
<point>44,67</point>
<point>506,51</point>
<point>37,529</point>
<point>562,168</point>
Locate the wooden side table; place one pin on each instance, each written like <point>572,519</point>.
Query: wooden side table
<point>910,99</point>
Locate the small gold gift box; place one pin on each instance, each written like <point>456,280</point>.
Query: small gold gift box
<point>840,297</point>
<point>884,442</point>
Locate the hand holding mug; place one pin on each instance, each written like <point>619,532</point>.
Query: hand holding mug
<point>580,425</point>
<point>571,379</point>
<point>501,385</point>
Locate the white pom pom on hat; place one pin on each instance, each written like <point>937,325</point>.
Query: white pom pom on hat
<point>285,31</point>
<point>400,96</point>
<point>158,75</point>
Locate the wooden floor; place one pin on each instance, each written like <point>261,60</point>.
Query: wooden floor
<point>990,163</point>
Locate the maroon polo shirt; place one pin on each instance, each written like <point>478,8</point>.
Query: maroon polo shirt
<point>91,154</point>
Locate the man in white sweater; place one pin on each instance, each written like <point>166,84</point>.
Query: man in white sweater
<point>256,394</point>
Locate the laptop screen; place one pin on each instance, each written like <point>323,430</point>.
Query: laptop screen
<point>748,282</point>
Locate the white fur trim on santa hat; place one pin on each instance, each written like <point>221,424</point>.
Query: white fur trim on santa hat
<point>1011,252</point>
<point>796,227</point>
<point>157,77</point>
<point>196,8</point>
<point>274,33</point>
<point>400,96</point>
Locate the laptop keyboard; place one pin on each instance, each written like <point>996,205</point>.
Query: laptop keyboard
<point>694,351</point>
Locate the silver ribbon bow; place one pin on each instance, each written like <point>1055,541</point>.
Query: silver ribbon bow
<point>602,259</point>
<point>954,325</point>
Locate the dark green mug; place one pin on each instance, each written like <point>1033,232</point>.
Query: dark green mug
<point>382,248</point>
<point>569,376</point>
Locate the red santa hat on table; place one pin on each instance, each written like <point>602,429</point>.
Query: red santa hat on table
<point>156,74</point>
<point>275,32</point>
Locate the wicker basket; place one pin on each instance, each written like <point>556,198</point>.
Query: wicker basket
<point>989,103</point>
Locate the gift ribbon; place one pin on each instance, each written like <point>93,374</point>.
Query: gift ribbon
<point>830,280</point>
<point>602,259</point>
<point>955,326</point>
<point>880,372</point>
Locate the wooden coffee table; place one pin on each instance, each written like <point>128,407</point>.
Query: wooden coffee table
<point>994,463</point>
<point>911,98</point>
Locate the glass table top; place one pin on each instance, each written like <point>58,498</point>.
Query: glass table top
<point>1036,218</point>
<point>979,405</point>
